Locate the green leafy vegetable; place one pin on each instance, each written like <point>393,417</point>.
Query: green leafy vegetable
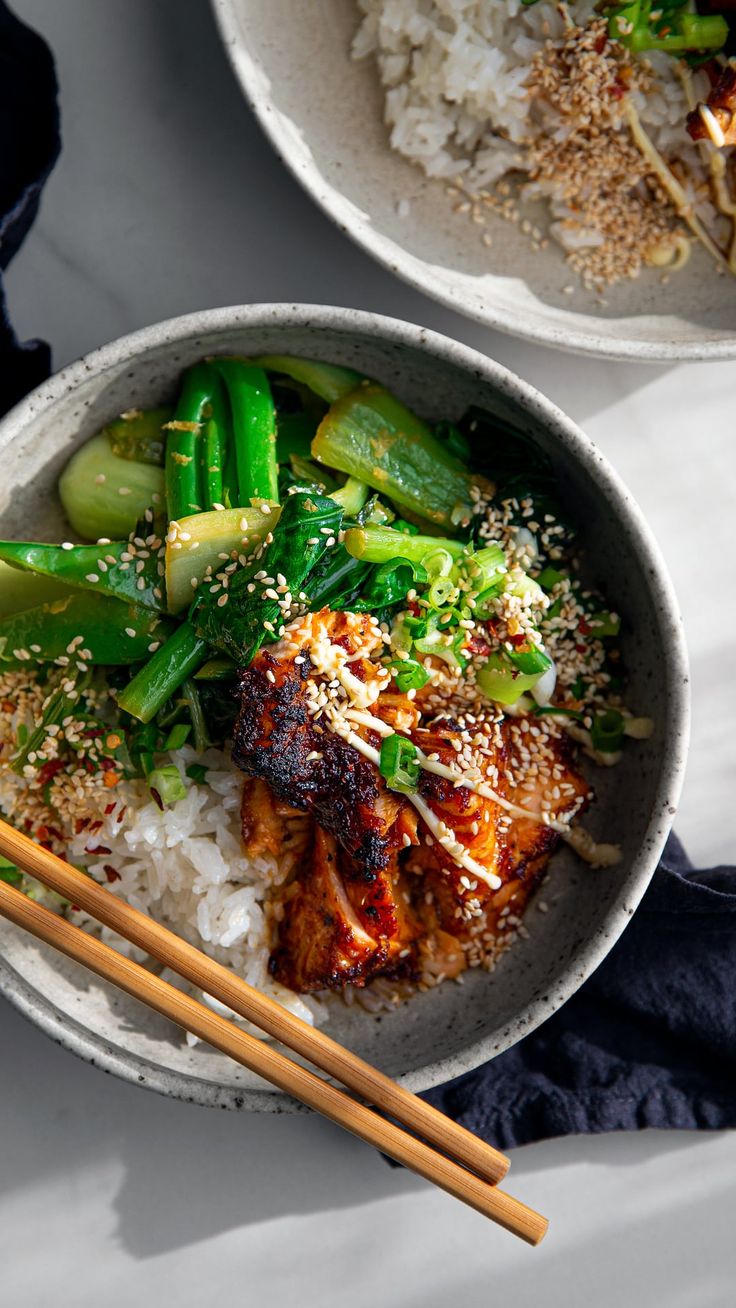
<point>371,435</point>
<point>327,380</point>
<point>138,435</point>
<point>99,629</point>
<point>399,764</point>
<point>104,495</point>
<point>249,617</point>
<point>110,569</point>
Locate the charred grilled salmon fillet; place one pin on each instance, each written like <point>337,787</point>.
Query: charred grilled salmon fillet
<point>384,869</point>
<point>338,928</point>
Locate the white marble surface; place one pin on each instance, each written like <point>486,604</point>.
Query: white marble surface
<point>167,199</point>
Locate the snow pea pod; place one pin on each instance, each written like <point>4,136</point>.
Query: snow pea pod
<point>122,569</point>
<point>82,629</point>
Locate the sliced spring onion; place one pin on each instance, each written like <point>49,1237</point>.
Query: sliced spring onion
<point>604,624</point>
<point>530,661</point>
<point>409,675</point>
<point>399,764</point>
<point>607,731</point>
<point>177,736</point>
<point>166,784</point>
<point>502,682</point>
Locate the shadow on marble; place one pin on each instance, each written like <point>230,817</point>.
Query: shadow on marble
<point>189,1172</point>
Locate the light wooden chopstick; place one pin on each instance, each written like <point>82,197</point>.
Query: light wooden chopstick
<point>270,1064</point>
<point>249,1003</point>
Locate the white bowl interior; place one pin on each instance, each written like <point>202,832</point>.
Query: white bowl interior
<point>442,1033</point>
<point>324,114</point>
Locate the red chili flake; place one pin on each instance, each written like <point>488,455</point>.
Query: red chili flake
<point>517,640</point>
<point>54,831</point>
<point>584,627</point>
<point>344,642</point>
<point>123,811</point>
<point>49,770</point>
<point>80,825</point>
<point>98,849</point>
<point>75,908</point>
<point>618,91</point>
<point>109,809</point>
<point>582,649</point>
<point>478,645</point>
<point>107,763</point>
<point>95,826</point>
<point>601,43</point>
<point>111,873</point>
<point>42,833</point>
<point>414,608</point>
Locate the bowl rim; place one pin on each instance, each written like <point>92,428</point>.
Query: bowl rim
<point>71,1034</point>
<point>357,226</point>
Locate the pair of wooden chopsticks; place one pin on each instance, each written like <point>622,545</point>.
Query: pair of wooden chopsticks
<point>447,1154</point>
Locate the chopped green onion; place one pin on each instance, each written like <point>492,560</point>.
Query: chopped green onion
<point>550,577</point>
<point>502,682</point>
<point>177,736</point>
<point>399,764</point>
<point>604,624</point>
<point>166,784</point>
<point>530,661</point>
<point>197,772</point>
<point>409,675</point>
<point>607,731</point>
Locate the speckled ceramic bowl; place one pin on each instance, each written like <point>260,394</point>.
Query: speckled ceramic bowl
<point>323,113</point>
<point>455,1028</point>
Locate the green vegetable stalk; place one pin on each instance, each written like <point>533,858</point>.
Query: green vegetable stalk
<point>372,436</point>
<point>200,396</point>
<point>103,569</point>
<point>254,429</point>
<point>163,674</point>
<point>82,628</point>
<point>327,380</point>
<point>104,495</point>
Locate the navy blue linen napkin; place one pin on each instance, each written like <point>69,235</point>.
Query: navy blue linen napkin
<point>648,1041</point>
<point>29,147</point>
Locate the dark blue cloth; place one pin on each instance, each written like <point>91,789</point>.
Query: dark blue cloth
<point>648,1041</point>
<point>29,147</point>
